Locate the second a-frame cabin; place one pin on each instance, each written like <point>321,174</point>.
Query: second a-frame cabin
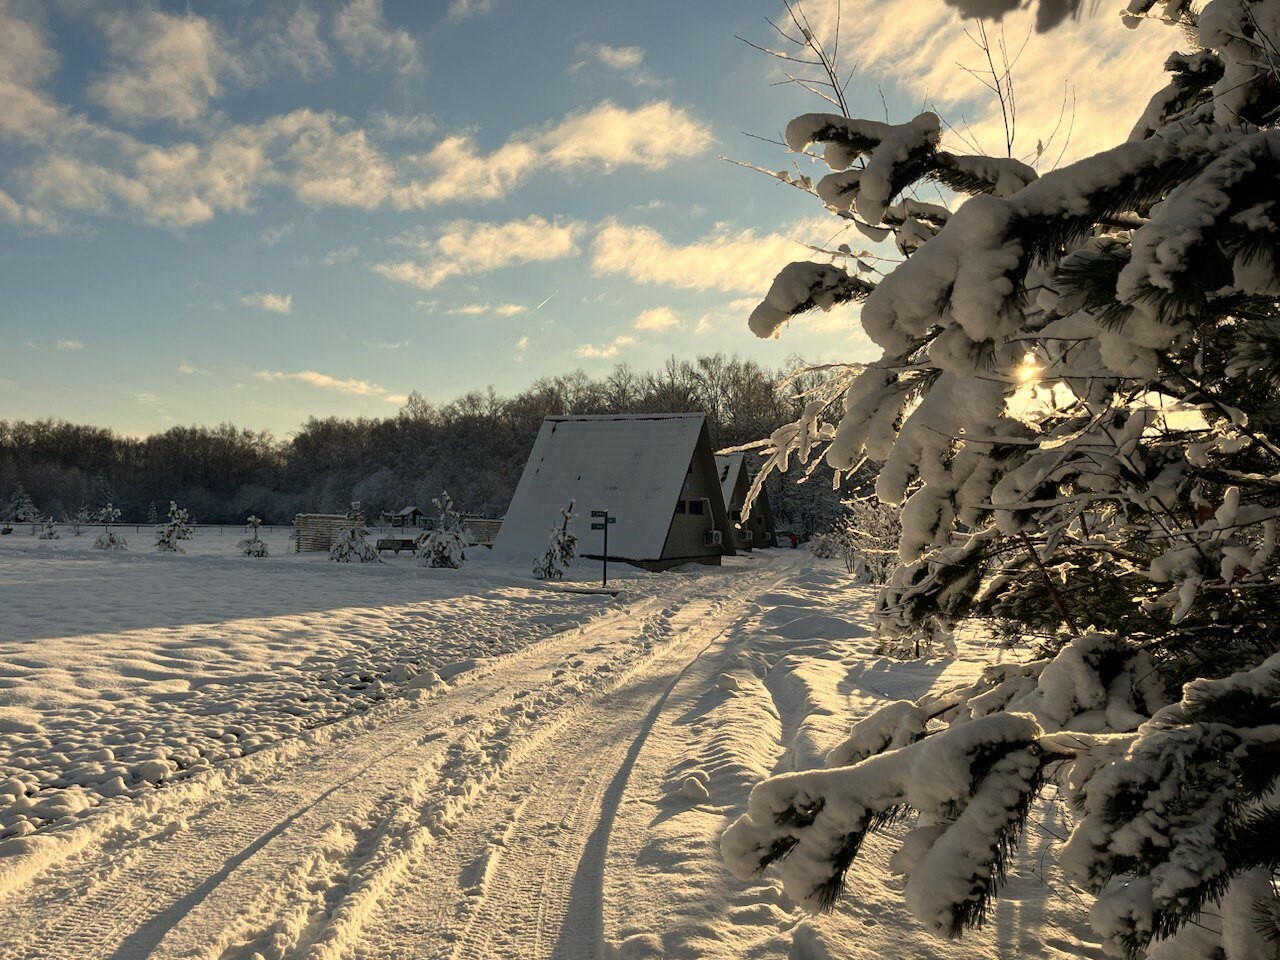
<point>756,529</point>
<point>654,473</point>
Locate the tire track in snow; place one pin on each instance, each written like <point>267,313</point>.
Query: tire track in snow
<point>138,888</point>
<point>524,874</point>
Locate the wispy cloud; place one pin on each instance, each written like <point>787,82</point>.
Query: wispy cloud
<point>465,9</point>
<point>342,255</point>
<point>480,309</point>
<point>628,61</point>
<point>657,318</point>
<point>69,345</point>
<point>271,302</point>
<point>363,34</point>
<point>522,344</point>
<point>387,345</point>
<point>162,67</point>
<point>356,388</point>
<point>189,370</point>
<point>592,352</point>
<point>737,261</point>
<point>467,247</point>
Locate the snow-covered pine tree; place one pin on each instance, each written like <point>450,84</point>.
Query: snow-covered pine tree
<point>351,545</point>
<point>22,509</point>
<point>80,519</point>
<point>1078,405</point>
<point>49,529</point>
<point>562,547</point>
<point>153,517</point>
<point>109,539</point>
<point>445,545</point>
<point>253,545</point>
<point>175,529</point>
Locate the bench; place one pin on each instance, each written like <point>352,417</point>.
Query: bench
<point>397,544</point>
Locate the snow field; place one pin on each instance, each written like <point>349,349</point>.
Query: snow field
<point>776,694</point>
<point>88,714</point>
<point>525,772</point>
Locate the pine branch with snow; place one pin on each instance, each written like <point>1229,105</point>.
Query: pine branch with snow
<point>1077,408</point>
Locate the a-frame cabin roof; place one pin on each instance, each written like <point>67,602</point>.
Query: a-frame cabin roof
<point>632,465</point>
<point>729,466</point>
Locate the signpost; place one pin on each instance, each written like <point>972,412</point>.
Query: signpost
<point>603,524</point>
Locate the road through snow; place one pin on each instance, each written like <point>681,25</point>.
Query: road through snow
<point>474,823</point>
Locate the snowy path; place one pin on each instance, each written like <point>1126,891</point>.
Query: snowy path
<point>477,823</point>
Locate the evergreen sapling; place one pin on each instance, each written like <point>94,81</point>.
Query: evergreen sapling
<point>562,547</point>
<point>445,545</point>
<point>253,545</point>
<point>174,530</point>
<point>109,539</point>
<point>50,531</point>
<point>351,546</point>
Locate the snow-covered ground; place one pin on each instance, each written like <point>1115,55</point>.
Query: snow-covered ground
<point>221,757</point>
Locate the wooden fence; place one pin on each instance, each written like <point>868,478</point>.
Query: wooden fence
<point>317,531</point>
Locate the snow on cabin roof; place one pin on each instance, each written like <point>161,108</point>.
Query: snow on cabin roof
<point>729,466</point>
<point>406,512</point>
<point>634,466</point>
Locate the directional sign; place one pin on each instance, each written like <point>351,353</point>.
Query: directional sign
<point>612,520</point>
<point>599,513</point>
<point>597,526</point>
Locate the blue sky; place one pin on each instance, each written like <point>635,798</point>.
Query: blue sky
<point>257,212</point>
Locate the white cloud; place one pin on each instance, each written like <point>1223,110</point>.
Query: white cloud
<point>466,247</point>
<point>480,309</point>
<point>605,137</point>
<point>341,255</point>
<point>592,352</point>
<point>385,345</point>
<point>741,261</point>
<point>69,345</point>
<point>300,47</point>
<point>191,371</point>
<point>522,344</point>
<point>357,388</point>
<point>400,126</point>
<point>464,9</point>
<point>271,302</point>
<point>628,61</point>
<point>273,235</point>
<point>363,33</point>
<point>162,67</point>
<point>657,318</point>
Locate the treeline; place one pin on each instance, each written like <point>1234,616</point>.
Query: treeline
<point>474,446</point>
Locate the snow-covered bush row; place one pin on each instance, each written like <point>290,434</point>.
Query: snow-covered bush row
<point>1077,408</point>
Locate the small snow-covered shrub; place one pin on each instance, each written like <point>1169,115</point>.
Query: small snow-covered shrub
<point>174,530</point>
<point>823,545</point>
<point>446,544</point>
<point>562,547</point>
<point>351,545</point>
<point>79,520</point>
<point>253,545</point>
<point>50,531</point>
<point>109,539</point>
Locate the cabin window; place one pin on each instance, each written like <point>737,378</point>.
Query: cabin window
<point>695,506</point>
<point>679,506</point>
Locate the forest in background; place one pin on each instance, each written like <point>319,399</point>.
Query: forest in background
<point>474,446</point>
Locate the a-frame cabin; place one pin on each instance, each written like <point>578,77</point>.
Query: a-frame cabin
<point>654,473</point>
<point>756,529</point>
